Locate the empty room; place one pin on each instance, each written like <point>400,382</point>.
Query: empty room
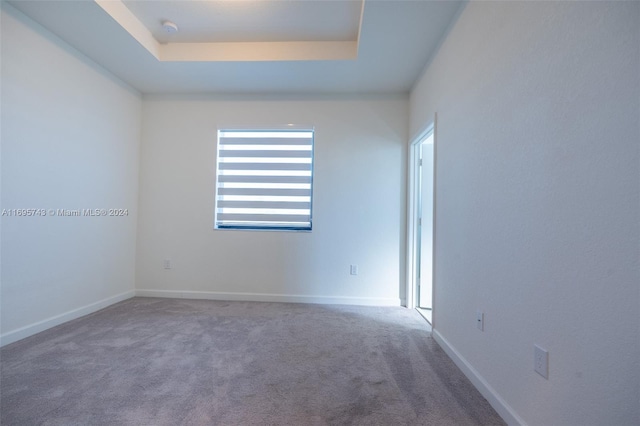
<point>320,212</point>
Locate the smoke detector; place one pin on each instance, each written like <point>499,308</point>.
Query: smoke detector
<point>169,27</point>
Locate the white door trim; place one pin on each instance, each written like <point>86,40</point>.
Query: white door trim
<point>413,212</point>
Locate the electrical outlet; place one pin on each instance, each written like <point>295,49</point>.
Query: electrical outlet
<point>353,270</point>
<point>166,264</point>
<point>541,361</point>
<point>480,320</point>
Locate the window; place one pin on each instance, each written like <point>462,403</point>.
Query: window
<point>264,179</point>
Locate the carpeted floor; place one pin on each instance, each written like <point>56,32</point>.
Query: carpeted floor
<point>198,362</point>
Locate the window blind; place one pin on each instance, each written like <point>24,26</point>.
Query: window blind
<point>264,179</point>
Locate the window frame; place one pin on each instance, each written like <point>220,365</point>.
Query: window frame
<point>257,226</point>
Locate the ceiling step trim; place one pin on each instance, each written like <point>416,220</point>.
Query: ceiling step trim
<point>229,51</point>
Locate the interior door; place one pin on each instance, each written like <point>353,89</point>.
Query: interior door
<point>425,285</point>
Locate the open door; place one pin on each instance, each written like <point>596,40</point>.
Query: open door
<point>425,223</point>
<point>420,294</point>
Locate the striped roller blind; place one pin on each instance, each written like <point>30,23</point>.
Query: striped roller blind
<point>264,179</point>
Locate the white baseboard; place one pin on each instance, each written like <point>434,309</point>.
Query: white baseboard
<point>30,330</point>
<point>505,411</point>
<point>259,297</point>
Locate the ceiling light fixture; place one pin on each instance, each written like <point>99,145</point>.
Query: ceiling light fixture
<point>169,27</point>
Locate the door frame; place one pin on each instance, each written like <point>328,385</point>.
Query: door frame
<point>413,212</point>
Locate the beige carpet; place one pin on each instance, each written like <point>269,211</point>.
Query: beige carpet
<point>194,362</point>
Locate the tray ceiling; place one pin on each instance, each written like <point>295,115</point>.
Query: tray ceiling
<point>252,46</point>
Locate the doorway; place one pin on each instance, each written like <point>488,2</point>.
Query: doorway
<point>421,225</point>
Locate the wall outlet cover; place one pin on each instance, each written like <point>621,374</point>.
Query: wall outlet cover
<point>480,320</point>
<point>541,361</point>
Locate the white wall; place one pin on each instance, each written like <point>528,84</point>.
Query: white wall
<point>538,204</point>
<point>70,140</point>
<point>358,210</point>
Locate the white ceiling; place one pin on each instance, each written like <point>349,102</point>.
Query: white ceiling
<point>247,21</point>
<point>253,46</point>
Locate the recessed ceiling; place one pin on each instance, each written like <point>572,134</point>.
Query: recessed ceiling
<point>250,21</point>
<point>248,30</point>
<point>253,46</point>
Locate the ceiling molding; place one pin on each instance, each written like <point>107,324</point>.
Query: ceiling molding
<point>259,51</point>
<point>230,51</point>
<point>360,26</point>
